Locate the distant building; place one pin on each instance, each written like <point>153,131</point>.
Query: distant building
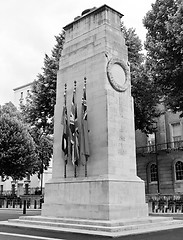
<point>21,93</point>
<point>31,184</point>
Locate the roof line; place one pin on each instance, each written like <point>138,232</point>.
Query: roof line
<point>26,85</point>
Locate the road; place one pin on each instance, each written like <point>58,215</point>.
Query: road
<point>13,233</point>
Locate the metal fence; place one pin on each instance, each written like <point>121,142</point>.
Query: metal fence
<point>31,191</point>
<point>165,203</point>
<point>11,199</point>
<point>30,201</point>
<point>176,145</point>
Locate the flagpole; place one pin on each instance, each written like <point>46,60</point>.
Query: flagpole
<point>65,165</point>
<point>86,157</point>
<point>75,172</point>
<point>86,166</point>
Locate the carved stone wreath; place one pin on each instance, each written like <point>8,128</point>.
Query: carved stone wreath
<point>115,84</point>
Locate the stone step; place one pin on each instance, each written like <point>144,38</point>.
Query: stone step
<point>97,222</point>
<point>96,227</point>
<point>79,225</point>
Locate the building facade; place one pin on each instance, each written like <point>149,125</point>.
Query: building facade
<point>160,156</point>
<point>21,93</point>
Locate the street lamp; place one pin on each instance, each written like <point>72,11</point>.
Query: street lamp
<point>42,171</point>
<point>43,123</point>
<point>156,155</point>
<point>41,155</point>
<point>42,161</point>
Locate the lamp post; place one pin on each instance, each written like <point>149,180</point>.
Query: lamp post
<point>42,162</point>
<point>41,154</point>
<point>156,156</point>
<point>42,170</point>
<point>43,122</point>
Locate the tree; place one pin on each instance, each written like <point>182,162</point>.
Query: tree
<point>144,91</point>
<point>134,44</point>
<point>17,148</point>
<point>43,148</point>
<point>146,100</point>
<point>164,45</point>
<point>24,150</point>
<point>39,109</point>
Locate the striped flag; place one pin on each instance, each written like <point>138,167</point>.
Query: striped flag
<point>65,135</point>
<point>84,128</point>
<point>74,132</point>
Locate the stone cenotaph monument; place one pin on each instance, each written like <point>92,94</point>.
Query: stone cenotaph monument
<point>104,196</point>
<point>95,49</point>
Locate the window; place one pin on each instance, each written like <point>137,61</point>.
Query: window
<point>176,134</point>
<point>176,141</point>
<point>26,189</point>
<point>21,95</point>
<point>20,190</point>
<point>1,189</point>
<point>13,189</point>
<point>151,142</point>
<point>179,170</point>
<point>28,93</point>
<point>153,173</point>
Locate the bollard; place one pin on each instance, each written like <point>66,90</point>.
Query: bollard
<point>20,203</point>
<point>40,204</point>
<point>35,204</point>
<point>41,201</point>
<point>13,203</point>
<point>24,207</point>
<point>28,203</point>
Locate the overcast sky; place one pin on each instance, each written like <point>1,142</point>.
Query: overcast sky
<point>28,27</point>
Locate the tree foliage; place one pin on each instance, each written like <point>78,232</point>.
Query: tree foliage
<point>17,148</point>
<point>164,45</point>
<point>39,109</point>
<point>23,150</point>
<point>144,91</point>
<point>43,148</point>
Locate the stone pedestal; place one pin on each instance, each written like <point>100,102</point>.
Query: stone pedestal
<point>95,48</point>
<point>99,199</point>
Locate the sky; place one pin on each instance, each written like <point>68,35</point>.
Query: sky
<point>28,27</point>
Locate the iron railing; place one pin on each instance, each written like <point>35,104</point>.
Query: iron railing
<point>31,191</point>
<point>168,146</point>
<point>165,203</point>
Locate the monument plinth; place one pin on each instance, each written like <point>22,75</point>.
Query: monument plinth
<point>95,48</point>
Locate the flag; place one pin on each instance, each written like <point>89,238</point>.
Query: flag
<point>84,128</point>
<point>65,135</point>
<point>74,132</point>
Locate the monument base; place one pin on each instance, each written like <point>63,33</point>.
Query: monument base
<point>95,199</point>
<point>113,228</point>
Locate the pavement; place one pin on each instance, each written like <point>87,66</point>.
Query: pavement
<point>173,215</point>
<point>92,227</point>
<point>172,221</point>
<point>20,210</point>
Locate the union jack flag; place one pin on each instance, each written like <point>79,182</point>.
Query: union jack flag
<point>84,127</point>
<point>65,135</point>
<point>74,132</point>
